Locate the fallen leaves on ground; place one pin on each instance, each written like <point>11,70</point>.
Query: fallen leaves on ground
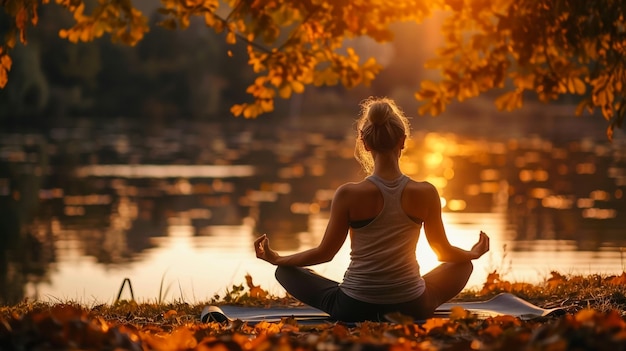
<point>67,327</point>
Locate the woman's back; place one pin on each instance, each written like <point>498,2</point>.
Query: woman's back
<point>383,267</point>
<point>365,201</point>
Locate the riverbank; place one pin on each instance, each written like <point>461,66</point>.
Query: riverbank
<point>594,319</point>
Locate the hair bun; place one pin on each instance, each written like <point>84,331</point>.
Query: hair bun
<point>379,113</point>
<point>380,127</point>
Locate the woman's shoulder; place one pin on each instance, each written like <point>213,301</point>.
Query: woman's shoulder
<point>356,186</point>
<point>421,194</point>
<point>422,187</point>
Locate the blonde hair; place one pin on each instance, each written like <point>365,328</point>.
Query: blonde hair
<point>380,126</point>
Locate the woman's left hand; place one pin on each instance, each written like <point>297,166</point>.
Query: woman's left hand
<point>481,247</point>
<point>263,250</point>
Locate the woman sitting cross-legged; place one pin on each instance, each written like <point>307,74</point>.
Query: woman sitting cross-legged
<point>384,214</point>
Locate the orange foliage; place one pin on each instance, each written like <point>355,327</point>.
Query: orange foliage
<point>255,290</point>
<point>267,328</point>
<point>66,326</point>
<point>458,312</point>
<point>515,48</point>
<point>618,280</point>
<point>435,324</point>
<point>5,67</point>
<point>182,338</point>
<point>556,279</point>
<point>495,284</point>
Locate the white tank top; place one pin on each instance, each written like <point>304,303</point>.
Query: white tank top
<point>383,268</point>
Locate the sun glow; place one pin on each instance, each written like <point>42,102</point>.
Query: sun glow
<point>433,160</point>
<point>464,236</point>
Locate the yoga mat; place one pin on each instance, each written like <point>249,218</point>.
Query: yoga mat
<point>502,304</point>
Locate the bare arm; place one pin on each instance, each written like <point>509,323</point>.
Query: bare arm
<point>334,237</point>
<point>438,240</point>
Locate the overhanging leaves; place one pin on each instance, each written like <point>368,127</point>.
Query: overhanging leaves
<point>548,48</point>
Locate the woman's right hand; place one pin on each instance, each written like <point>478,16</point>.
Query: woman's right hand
<point>263,250</point>
<point>481,247</point>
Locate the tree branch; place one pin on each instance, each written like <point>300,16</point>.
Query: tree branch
<point>239,35</point>
<point>305,20</point>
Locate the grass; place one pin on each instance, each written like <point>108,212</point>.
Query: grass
<point>595,306</point>
<point>574,292</point>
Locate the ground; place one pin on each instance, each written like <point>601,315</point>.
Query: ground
<point>594,319</point>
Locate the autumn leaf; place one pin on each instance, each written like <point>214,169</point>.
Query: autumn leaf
<point>576,86</point>
<point>618,280</point>
<point>586,315</point>
<point>267,328</point>
<point>457,313</point>
<point>5,67</point>
<point>297,87</point>
<point>493,283</point>
<point>180,339</point>
<point>504,320</point>
<point>340,331</point>
<point>428,90</point>
<point>509,101</point>
<point>276,80</point>
<point>433,323</point>
<point>612,320</point>
<point>267,105</point>
<point>582,105</point>
<point>21,21</point>
<point>252,110</point>
<point>237,109</point>
<point>556,279</point>
<point>492,330</point>
<point>231,38</point>
<point>4,77</point>
<point>255,290</point>
<point>285,91</point>
<point>170,314</point>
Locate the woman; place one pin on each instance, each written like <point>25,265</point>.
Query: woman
<point>384,214</point>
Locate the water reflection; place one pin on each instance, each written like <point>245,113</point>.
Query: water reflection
<point>573,190</point>
<point>86,207</point>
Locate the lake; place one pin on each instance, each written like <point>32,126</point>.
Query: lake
<point>175,210</point>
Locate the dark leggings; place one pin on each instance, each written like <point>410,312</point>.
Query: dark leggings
<point>442,283</point>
